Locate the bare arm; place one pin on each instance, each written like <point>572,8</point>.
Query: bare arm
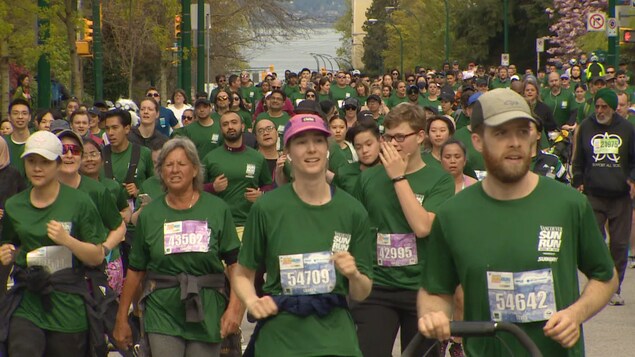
<point>122,332</point>
<point>564,326</point>
<point>243,283</point>
<point>115,236</point>
<point>434,314</point>
<point>231,319</point>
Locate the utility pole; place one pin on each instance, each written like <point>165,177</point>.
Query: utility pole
<point>200,47</point>
<point>98,52</point>
<point>186,50</point>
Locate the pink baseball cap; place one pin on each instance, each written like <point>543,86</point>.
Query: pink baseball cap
<point>300,123</point>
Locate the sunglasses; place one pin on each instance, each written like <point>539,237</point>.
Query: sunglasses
<point>222,80</point>
<point>350,107</point>
<point>185,117</point>
<point>76,150</point>
<point>223,97</point>
<point>236,98</point>
<point>156,95</point>
<point>310,95</point>
<point>276,87</point>
<point>340,77</point>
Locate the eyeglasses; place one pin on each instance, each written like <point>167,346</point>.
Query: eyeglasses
<point>222,98</point>
<point>266,129</point>
<point>156,95</point>
<point>185,117</point>
<point>222,80</point>
<point>350,107</point>
<point>395,73</point>
<point>92,154</point>
<point>74,149</point>
<point>400,138</point>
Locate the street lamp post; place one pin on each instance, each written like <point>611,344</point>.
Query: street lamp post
<point>390,9</point>
<point>374,21</point>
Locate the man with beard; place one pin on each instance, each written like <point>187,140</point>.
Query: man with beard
<point>604,170</point>
<point>236,173</point>
<point>204,131</point>
<point>516,259</point>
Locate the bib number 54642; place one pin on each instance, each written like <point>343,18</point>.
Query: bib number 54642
<point>520,302</point>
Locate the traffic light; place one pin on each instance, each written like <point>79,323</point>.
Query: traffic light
<point>88,30</point>
<point>627,35</point>
<point>177,26</point>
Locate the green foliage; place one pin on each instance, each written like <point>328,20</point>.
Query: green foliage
<point>376,40</point>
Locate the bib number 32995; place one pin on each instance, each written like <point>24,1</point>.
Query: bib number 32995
<point>307,274</point>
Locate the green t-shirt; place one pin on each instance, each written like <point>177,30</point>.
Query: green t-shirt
<point>296,98</point>
<point>430,160</point>
<point>289,90</point>
<point>394,100</point>
<point>578,107</point>
<point>560,105</point>
<point>152,187</point>
<point>475,166</point>
<point>165,312</point>
<point>497,83</point>
<point>243,169</point>
<point>462,121</point>
<point>347,176</point>
<point>280,223</point>
<point>376,192</point>
<point>117,191</point>
<point>434,104</point>
<point>245,116</point>
<point>336,157</point>
<point>462,248</point>
<point>338,95</point>
<point>347,152</point>
<point>249,94</point>
<point>322,97</point>
<point>15,151</point>
<point>26,226</point>
<point>205,138</point>
<point>121,161</point>
<point>105,203</point>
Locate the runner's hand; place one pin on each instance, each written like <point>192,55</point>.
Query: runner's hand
<point>220,183</point>
<point>581,188</point>
<point>7,254</point>
<point>252,194</point>
<point>345,264</point>
<point>563,327</point>
<point>394,164</point>
<point>280,161</point>
<point>435,325</point>
<point>55,230</point>
<point>230,322</point>
<point>122,334</point>
<point>262,307</point>
<point>131,188</point>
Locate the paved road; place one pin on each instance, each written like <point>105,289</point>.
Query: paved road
<point>609,334</point>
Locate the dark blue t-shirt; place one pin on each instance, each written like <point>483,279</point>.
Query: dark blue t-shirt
<point>166,121</point>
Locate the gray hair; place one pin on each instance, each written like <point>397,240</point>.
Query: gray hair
<point>190,151</point>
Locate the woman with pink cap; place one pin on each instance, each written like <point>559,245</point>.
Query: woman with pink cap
<point>314,242</point>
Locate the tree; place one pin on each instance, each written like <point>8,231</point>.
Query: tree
<point>570,26</point>
<point>343,26</point>
<point>376,40</point>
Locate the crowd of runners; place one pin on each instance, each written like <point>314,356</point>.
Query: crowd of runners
<point>334,209</point>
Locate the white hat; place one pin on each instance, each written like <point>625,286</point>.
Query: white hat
<point>43,143</point>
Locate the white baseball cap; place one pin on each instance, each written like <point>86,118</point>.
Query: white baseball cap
<point>43,143</point>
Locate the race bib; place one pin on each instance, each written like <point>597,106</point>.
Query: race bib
<point>307,274</point>
<point>396,250</point>
<point>215,138</point>
<point>280,129</point>
<point>563,104</point>
<point>185,237</point>
<point>521,297</point>
<point>52,258</point>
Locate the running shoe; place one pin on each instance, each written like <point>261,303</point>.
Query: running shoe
<point>616,300</point>
<point>456,350</point>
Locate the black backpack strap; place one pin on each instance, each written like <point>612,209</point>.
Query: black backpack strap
<point>107,152</point>
<point>135,156</point>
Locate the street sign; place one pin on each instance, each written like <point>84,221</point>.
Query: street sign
<point>540,44</point>
<point>611,28</point>
<point>505,59</point>
<point>596,21</point>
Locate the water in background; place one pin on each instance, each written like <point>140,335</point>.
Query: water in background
<point>295,54</point>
